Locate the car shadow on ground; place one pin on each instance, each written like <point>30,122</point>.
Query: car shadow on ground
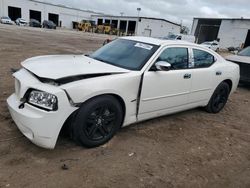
<point>172,122</point>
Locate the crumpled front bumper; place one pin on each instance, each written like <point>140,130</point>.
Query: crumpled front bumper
<point>39,126</point>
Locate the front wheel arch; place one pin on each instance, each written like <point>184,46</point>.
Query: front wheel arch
<point>65,128</point>
<point>97,121</point>
<point>119,98</point>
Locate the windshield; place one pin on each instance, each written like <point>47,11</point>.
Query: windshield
<point>245,52</point>
<point>124,53</point>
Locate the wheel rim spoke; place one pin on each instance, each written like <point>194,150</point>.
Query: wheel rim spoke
<point>92,131</point>
<point>102,131</point>
<point>110,117</point>
<point>91,121</point>
<point>102,110</point>
<point>100,123</point>
<point>105,129</point>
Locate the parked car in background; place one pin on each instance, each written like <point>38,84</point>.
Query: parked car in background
<point>21,22</point>
<point>213,45</point>
<point>189,38</point>
<point>234,49</point>
<point>34,23</point>
<point>243,60</point>
<point>6,20</point>
<point>130,79</point>
<point>49,24</point>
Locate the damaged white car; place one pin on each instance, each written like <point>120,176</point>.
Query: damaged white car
<point>128,80</point>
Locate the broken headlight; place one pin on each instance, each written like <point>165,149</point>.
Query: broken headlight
<point>43,100</point>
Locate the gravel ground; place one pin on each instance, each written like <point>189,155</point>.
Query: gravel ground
<point>188,149</point>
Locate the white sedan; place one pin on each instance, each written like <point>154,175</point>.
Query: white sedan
<point>129,80</point>
<point>6,20</point>
<point>213,45</point>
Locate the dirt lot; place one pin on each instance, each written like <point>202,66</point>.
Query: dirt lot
<point>189,149</point>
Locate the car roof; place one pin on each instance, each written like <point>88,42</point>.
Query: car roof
<point>156,41</point>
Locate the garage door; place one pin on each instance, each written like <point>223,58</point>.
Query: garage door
<point>35,15</point>
<point>14,13</point>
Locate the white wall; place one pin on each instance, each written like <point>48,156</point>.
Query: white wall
<point>158,28</point>
<point>233,32</point>
<point>194,26</point>
<point>1,8</point>
<point>66,15</point>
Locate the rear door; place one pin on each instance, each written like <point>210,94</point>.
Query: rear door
<point>203,75</point>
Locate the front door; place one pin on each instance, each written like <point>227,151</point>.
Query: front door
<point>166,90</point>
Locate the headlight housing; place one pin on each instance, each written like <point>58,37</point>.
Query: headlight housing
<point>43,100</point>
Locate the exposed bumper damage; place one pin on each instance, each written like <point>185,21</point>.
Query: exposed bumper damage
<point>39,126</point>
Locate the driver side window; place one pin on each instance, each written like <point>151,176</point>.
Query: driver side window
<point>177,57</point>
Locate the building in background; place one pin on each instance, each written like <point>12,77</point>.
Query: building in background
<point>228,31</point>
<point>141,26</point>
<point>32,9</point>
<point>69,17</point>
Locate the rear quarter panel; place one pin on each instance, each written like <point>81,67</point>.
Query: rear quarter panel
<point>230,71</point>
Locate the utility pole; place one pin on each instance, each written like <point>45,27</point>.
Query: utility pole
<point>138,10</point>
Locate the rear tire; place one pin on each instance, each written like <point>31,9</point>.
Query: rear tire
<point>219,98</point>
<point>97,121</point>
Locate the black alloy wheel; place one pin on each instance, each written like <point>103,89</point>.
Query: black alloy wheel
<point>100,123</point>
<point>97,121</point>
<point>219,98</point>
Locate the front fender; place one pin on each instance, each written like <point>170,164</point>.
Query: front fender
<point>125,86</point>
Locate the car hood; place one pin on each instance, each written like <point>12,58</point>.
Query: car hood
<point>63,66</point>
<point>238,58</point>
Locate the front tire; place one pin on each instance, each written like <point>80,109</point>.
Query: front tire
<point>219,98</point>
<point>97,121</point>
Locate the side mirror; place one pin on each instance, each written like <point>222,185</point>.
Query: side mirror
<point>162,66</point>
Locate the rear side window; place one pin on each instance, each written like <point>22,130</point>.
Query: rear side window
<point>177,57</point>
<point>202,59</point>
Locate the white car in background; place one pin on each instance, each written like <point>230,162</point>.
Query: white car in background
<point>188,38</point>
<point>6,20</point>
<point>213,45</point>
<point>21,22</point>
<point>129,80</point>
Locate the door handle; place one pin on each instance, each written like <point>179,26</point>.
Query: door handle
<point>187,76</point>
<point>218,73</point>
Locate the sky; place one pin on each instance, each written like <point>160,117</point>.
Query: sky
<point>173,10</point>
